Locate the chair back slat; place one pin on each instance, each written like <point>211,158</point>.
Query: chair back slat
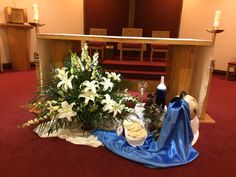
<point>98,31</point>
<point>161,34</point>
<point>137,32</point>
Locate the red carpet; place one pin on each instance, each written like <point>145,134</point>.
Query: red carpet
<point>23,154</point>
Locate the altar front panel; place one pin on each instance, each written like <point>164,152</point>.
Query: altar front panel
<point>187,65</point>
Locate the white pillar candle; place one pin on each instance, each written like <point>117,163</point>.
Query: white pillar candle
<point>217,19</point>
<point>36,13</point>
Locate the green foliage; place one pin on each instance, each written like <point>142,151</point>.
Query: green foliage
<point>154,115</point>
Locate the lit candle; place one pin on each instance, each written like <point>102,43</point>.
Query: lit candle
<point>217,19</point>
<point>36,13</point>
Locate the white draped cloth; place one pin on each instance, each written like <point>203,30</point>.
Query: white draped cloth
<point>77,136</point>
<point>195,128</point>
<point>72,135</point>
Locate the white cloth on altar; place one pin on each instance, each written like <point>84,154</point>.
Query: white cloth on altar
<point>75,136</point>
<point>195,129</point>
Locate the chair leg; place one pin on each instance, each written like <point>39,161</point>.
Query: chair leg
<point>141,55</point>
<point>151,55</point>
<point>142,49</point>
<point>120,54</point>
<point>166,53</point>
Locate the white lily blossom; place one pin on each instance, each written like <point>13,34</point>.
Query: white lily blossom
<point>117,108</point>
<point>112,106</point>
<point>113,76</point>
<point>88,95</point>
<point>66,111</point>
<point>106,84</point>
<point>90,86</point>
<point>95,59</point>
<point>65,82</point>
<point>108,103</point>
<point>52,108</point>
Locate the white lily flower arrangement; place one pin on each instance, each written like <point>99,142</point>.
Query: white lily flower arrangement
<point>81,92</point>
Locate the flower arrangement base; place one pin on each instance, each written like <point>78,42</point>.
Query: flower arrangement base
<point>87,127</point>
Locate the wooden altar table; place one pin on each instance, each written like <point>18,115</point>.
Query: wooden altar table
<point>188,62</point>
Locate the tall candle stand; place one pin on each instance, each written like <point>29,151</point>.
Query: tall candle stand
<point>214,32</point>
<point>213,38</point>
<point>36,53</point>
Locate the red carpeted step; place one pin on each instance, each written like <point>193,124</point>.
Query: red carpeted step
<point>136,69</point>
<point>132,63</point>
<point>141,72</point>
<point>132,74</point>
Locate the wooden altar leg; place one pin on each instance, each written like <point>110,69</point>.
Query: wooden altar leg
<point>55,50</point>
<point>121,52</point>
<point>207,119</point>
<point>188,70</point>
<point>179,69</point>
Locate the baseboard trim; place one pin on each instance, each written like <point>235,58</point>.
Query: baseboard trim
<point>207,119</point>
<point>9,66</point>
<point>219,72</point>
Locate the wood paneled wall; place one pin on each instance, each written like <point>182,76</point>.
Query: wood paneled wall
<point>110,14</point>
<point>149,15</point>
<point>158,15</point>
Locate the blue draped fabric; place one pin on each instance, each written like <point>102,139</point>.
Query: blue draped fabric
<point>172,148</point>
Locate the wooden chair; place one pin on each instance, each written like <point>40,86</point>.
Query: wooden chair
<point>97,45</point>
<point>133,32</point>
<point>231,64</point>
<point>159,47</point>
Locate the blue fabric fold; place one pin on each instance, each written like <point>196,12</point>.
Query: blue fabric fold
<point>172,148</point>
